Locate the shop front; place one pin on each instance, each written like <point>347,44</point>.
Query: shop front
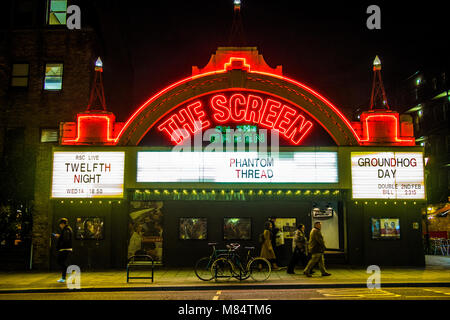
<point>211,158</point>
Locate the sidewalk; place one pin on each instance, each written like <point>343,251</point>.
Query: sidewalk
<point>436,273</point>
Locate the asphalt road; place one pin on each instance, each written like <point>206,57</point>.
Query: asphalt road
<point>433,293</point>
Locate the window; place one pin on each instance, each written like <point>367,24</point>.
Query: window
<point>20,73</point>
<point>49,135</point>
<point>56,12</point>
<point>53,76</point>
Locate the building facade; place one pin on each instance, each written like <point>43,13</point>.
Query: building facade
<point>255,144</point>
<point>45,78</point>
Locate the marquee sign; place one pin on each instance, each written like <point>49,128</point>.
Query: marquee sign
<point>387,175</point>
<point>88,174</point>
<point>237,167</point>
<point>240,107</point>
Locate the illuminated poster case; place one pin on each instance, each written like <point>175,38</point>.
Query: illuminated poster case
<point>237,167</point>
<point>88,174</point>
<point>387,175</point>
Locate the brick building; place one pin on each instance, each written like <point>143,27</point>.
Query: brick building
<point>45,78</point>
<point>427,92</point>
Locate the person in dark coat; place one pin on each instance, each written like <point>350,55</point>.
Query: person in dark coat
<point>317,249</point>
<point>63,247</point>
<point>300,244</point>
<point>274,233</point>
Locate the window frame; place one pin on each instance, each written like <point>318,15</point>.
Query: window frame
<point>48,128</point>
<point>12,76</point>
<point>45,76</point>
<point>47,15</point>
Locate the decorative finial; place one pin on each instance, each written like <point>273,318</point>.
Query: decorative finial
<point>99,65</point>
<point>376,63</point>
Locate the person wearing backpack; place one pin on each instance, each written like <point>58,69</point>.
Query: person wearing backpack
<point>300,249</point>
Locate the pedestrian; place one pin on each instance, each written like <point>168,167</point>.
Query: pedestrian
<point>317,249</point>
<point>300,249</point>
<point>277,240</point>
<point>266,247</point>
<point>63,247</point>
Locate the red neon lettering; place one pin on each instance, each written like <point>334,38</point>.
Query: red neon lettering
<point>238,107</point>
<point>270,113</point>
<point>170,128</point>
<point>222,112</point>
<point>297,132</point>
<point>283,118</point>
<point>200,115</point>
<point>254,105</point>
<point>185,120</point>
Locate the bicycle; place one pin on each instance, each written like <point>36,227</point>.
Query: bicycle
<point>203,265</point>
<point>232,264</point>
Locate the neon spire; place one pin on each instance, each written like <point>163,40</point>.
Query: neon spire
<point>97,99</point>
<point>237,37</point>
<point>378,96</point>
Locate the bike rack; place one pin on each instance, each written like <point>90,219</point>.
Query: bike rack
<point>145,262</point>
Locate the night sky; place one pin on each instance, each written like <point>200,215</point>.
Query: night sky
<point>324,44</point>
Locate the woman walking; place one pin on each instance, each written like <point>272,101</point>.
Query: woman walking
<point>267,248</point>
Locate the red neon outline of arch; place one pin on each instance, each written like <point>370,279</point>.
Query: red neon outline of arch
<point>329,104</point>
<point>108,138</point>
<point>410,140</point>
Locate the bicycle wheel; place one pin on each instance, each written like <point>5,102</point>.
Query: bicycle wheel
<point>240,272</point>
<point>259,269</point>
<point>222,268</point>
<point>203,269</point>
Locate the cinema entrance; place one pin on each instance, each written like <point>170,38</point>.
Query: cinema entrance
<point>189,225</point>
<point>211,157</point>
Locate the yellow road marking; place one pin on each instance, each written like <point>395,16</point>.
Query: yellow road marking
<point>216,297</point>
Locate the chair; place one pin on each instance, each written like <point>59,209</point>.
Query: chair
<point>140,261</point>
<point>441,245</point>
<point>447,247</point>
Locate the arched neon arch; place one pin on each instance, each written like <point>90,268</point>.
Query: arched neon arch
<point>238,74</point>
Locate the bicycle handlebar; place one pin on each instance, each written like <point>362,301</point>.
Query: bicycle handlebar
<point>233,246</point>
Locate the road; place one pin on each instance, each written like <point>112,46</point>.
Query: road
<point>242,294</point>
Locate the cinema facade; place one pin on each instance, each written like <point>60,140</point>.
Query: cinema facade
<point>211,157</point>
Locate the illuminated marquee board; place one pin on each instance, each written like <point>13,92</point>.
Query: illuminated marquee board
<point>88,174</point>
<point>240,107</point>
<point>237,167</point>
<point>387,175</point>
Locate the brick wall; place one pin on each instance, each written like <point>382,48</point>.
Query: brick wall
<point>33,108</point>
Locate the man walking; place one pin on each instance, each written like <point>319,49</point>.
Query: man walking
<point>63,247</point>
<point>317,249</point>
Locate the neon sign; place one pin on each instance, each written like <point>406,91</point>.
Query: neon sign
<point>387,175</point>
<point>242,107</point>
<point>237,167</point>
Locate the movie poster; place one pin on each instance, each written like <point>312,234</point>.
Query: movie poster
<point>385,228</point>
<point>237,228</point>
<point>146,229</point>
<point>193,228</point>
<point>89,228</point>
<point>287,226</point>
